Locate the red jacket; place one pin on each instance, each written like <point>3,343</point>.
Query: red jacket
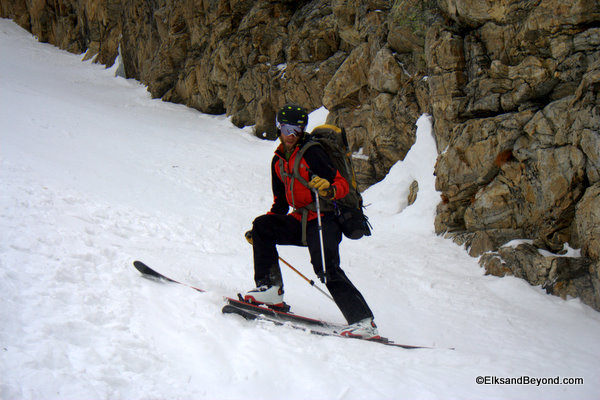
<point>288,191</point>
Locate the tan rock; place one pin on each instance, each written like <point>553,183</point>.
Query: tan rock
<point>349,79</point>
<point>386,73</point>
<point>587,222</point>
<point>413,191</point>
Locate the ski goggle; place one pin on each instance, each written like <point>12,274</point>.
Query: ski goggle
<point>287,129</point>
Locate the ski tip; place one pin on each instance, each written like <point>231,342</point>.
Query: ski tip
<point>140,266</point>
<point>147,271</point>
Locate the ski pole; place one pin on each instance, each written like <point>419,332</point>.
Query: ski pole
<point>321,235</point>
<point>312,283</point>
<point>248,236</point>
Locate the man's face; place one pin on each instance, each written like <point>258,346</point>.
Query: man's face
<point>290,135</point>
<point>289,141</point>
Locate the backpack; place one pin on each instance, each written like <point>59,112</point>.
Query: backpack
<point>349,209</point>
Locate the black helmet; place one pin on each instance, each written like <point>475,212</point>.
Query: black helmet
<point>292,114</point>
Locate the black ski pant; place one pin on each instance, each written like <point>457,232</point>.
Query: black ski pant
<point>271,230</point>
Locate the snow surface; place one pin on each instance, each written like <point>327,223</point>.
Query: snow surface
<point>95,174</point>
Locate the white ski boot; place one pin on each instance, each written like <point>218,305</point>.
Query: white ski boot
<point>271,295</point>
<point>364,329</point>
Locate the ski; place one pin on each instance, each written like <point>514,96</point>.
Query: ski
<point>275,315</point>
<point>313,326</point>
<point>281,314</point>
<point>148,272</point>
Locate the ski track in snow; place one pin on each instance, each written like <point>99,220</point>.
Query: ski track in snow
<point>95,173</point>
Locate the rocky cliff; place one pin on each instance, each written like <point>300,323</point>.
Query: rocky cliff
<point>513,87</point>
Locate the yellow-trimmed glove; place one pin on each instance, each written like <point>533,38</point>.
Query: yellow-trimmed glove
<point>248,236</point>
<point>323,186</point>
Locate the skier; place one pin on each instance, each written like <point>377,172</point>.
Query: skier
<point>300,227</point>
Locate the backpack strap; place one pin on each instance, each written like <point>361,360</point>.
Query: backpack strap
<point>286,175</point>
<point>297,176</point>
<point>299,156</point>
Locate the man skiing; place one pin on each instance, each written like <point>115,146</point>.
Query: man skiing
<point>300,227</point>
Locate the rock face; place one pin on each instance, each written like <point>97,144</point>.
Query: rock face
<point>513,87</point>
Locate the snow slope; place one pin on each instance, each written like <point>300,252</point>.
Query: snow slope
<point>95,174</point>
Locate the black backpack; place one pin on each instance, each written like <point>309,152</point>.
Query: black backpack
<point>349,209</point>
